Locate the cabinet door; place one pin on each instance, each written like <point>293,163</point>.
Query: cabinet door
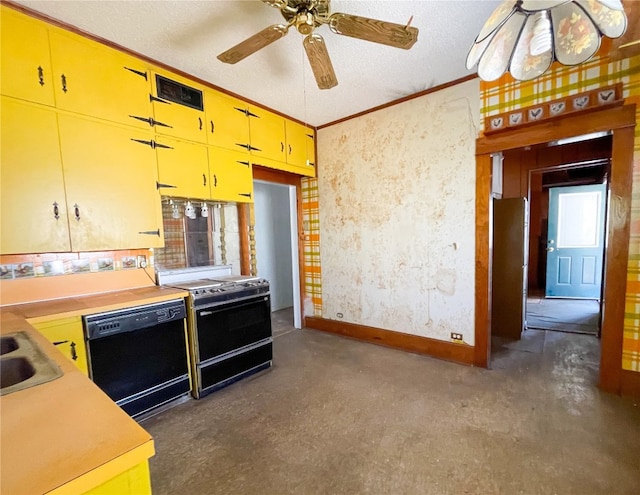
<point>67,335</point>
<point>183,169</point>
<point>231,178</point>
<point>296,143</point>
<point>227,121</point>
<point>311,153</point>
<point>184,120</point>
<point>32,185</point>
<point>267,134</point>
<point>92,79</point>
<point>111,182</point>
<point>26,67</point>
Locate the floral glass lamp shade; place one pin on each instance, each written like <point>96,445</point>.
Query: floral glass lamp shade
<point>526,36</point>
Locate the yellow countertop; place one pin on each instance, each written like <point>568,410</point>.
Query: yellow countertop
<point>66,436</point>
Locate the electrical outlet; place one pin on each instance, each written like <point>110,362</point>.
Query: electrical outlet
<point>456,336</point>
<point>142,261</point>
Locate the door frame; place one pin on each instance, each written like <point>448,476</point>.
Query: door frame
<point>621,121</point>
<point>284,178</point>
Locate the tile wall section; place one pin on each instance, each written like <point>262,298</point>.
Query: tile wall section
<point>506,94</point>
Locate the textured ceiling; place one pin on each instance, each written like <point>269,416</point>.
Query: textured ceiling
<point>188,35</point>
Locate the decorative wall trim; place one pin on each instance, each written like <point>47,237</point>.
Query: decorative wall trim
<point>589,100</point>
<point>458,353</point>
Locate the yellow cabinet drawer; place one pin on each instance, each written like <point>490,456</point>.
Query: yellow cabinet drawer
<point>231,177</point>
<point>67,335</point>
<point>26,64</point>
<point>183,169</point>
<point>94,80</point>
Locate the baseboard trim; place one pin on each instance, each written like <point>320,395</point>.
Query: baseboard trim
<point>458,353</point>
<point>630,383</point>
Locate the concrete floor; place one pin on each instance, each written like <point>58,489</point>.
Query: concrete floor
<point>337,416</point>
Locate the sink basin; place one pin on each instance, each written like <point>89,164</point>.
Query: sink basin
<point>7,345</point>
<point>23,364</point>
<point>15,370</point>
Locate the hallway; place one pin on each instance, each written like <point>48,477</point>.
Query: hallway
<point>337,416</point>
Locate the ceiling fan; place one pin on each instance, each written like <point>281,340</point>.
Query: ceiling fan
<point>306,15</point>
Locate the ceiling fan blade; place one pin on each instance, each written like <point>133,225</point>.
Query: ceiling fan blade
<point>320,62</point>
<point>253,44</point>
<point>387,33</point>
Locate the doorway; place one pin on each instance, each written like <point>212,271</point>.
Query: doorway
<point>620,121</point>
<point>276,236</point>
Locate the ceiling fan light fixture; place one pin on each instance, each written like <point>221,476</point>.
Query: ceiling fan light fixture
<point>526,36</point>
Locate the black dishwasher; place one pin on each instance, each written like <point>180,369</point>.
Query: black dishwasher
<point>138,356</point>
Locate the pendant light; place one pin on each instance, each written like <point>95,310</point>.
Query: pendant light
<point>525,36</point>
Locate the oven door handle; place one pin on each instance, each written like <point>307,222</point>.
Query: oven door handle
<point>206,313</point>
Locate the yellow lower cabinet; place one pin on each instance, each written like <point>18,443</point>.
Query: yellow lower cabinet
<point>183,169</point>
<point>110,178</point>
<point>231,177</point>
<point>135,481</point>
<point>67,335</point>
<point>33,212</point>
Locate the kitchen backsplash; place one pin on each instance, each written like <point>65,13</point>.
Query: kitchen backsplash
<point>19,266</point>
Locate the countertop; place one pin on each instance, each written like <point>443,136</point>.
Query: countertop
<point>66,435</point>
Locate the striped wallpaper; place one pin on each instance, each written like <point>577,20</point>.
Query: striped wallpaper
<point>506,94</point>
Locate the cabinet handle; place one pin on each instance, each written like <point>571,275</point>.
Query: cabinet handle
<point>249,114</point>
<point>148,120</point>
<point>204,179</point>
<point>139,72</point>
<point>40,76</point>
<point>76,210</point>
<point>215,181</point>
<point>59,342</point>
<point>152,144</point>
<point>246,195</point>
<point>150,232</point>
<point>251,148</point>
<point>289,149</point>
<point>74,354</point>
<point>56,211</point>
<point>242,162</point>
<point>63,78</point>
<point>212,126</point>
<point>200,121</point>
<point>281,147</point>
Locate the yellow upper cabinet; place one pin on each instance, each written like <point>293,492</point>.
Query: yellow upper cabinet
<point>178,107</point>
<point>183,169</point>
<point>111,183</point>
<point>33,213</point>
<point>26,66</point>
<point>227,121</point>
<point>267,134</point>
<point>95,80</point>
<point>231,177</point>
<point>300,147</point>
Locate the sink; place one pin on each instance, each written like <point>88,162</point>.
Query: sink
<point>24,364</point>
<point>7,345</point>
<point>15,370</point>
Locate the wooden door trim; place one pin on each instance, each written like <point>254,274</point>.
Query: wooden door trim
<point>621,121</point>
<point>286,178</point>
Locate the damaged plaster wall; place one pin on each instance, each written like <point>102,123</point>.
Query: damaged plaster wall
<point>397,215</point>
